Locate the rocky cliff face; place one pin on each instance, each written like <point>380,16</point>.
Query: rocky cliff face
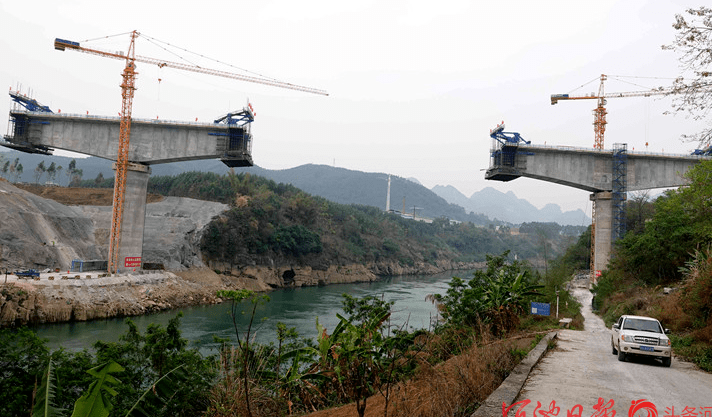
<point>60,297</point>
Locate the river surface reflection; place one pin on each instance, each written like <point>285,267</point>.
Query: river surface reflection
<point>295,307</point>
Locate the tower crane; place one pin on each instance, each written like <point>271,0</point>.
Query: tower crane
<point>128,86</point>
<point>599,128</point>
<point>599,113</point>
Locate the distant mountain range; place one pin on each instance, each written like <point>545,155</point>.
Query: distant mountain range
<point>344,186</point>
<point>508,208</point>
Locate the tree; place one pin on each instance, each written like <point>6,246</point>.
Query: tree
<point>638,210</point>
<point>693,42</point>
<point>5,168</point>
<point>13,169</point>
<point>23,356</point>
<point>18,172</point>
<point>70,171</point>
<point>39,171</point>
<point>495,296</point>
<point>59,173</point>
<point>99,178</point>
<point>76,177</point>
<point>51,172</point>
<point>249,370</point>
<point>150,356</point>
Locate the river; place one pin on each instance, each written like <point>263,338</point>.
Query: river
<point>295,307</point>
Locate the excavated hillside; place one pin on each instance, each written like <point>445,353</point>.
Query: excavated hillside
<point>48,227</point>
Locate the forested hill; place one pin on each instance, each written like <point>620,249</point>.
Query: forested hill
<point>277,224</point>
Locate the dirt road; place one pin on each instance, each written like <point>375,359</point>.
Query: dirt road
<point>583,369</point>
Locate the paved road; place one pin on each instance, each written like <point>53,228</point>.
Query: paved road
<point>582,368</point>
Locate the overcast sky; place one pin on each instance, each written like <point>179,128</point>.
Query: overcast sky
<point>415,86</point>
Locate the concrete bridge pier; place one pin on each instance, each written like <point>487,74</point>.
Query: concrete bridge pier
<point>134,217</point>
<point>603,232</point>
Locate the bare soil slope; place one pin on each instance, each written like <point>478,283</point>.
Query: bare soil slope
<point>74,196</point>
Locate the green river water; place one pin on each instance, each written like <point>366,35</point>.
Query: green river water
<point>296,307</point>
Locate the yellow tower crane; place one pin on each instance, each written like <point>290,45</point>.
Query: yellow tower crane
<point>599,113</point>
<point>127,94</point>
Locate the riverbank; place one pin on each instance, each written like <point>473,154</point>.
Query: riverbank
<point>65,297</point>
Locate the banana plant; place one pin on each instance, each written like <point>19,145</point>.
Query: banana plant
<point>96,401</point>
<point>44,400</point>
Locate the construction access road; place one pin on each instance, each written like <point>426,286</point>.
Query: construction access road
<point>582,370</point>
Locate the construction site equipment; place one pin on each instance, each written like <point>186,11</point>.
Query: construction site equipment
<point>22,126</point>
<point>503,151</point>
<point>30,273</point>
<point>127,95</point>
<point>706,151</point>
<point>29,103</point>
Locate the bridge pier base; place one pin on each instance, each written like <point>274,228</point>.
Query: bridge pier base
<point>603,221</point>
<point>134,217</point>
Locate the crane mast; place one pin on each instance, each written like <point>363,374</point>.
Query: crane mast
<point>128,87</point>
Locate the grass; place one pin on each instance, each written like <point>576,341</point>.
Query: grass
<point>455,387</point>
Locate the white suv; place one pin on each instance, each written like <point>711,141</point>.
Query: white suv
<point>637,335</point>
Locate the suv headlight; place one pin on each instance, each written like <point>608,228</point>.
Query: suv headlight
<point>664,342</point>
<point>626,338</point>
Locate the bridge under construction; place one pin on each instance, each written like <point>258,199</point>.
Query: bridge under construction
<point>607,174</point>
<point>36,129</point>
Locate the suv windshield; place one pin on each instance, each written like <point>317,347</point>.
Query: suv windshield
<point>642,325</point>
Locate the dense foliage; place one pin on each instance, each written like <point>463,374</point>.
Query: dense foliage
<point>670,247</point>
<point>144,358</point>
<point>495,296</point>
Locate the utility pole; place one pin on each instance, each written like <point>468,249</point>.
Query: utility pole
<point>557,304</point>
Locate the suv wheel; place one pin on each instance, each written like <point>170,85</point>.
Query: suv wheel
<point>613,348</point>
<point>666,362</point>
<point>621,356</point>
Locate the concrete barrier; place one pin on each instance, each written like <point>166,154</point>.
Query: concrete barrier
<point>509,389</point>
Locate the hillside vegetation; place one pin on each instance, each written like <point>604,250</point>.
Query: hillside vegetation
<point>668,245</point>
<point>271,223</point>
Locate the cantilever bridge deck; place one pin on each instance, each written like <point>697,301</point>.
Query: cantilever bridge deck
<point>153,141</point>
<point>588,169</point>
